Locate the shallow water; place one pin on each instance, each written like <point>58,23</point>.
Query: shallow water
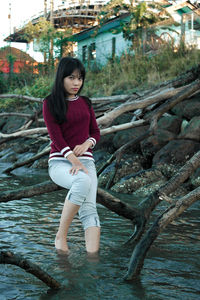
<point>28,226</point>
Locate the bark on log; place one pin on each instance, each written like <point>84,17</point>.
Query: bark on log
<point>103,197</point>
<point>117,98</point>
<point>169,104</point>
<point>33,99</point>
<point>23,133</point>
<point>17,260</point>
<point>141,249</point>
<point>136,104</point>
<point>28,161</point>
<point>121,127</point>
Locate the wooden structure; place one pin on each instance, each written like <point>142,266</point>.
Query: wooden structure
<point>75,14</point>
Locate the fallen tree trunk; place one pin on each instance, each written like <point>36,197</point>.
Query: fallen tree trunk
<point>14,259</point>
<point>169,104</point>
<point>141,249</point>
<point>28,161</point>
<point>27,98</point>
<point>138,216</point>
<point>103,197</point>
<point>23,133</point>
<point>136,104</point>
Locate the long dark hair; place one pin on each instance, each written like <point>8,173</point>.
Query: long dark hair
<point>57,100</point>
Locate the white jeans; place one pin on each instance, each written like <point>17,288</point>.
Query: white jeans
<point>82,188</point>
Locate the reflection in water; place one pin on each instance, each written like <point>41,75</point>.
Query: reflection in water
<point>28,227</point>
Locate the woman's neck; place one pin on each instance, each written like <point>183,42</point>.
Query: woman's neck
<point>72,97</point>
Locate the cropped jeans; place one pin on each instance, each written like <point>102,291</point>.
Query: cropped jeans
<point>82,188</point>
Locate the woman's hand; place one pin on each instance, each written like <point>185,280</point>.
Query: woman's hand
<point>80,149</point>
<point>76,165</point>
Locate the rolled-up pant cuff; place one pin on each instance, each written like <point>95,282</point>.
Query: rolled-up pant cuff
<point>90,221</point>
<point>75,199</point>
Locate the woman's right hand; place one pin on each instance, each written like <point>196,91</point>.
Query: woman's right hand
<point>76,165</point>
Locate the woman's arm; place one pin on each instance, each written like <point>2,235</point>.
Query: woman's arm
<point>94,129</point>
<point>54,131</point>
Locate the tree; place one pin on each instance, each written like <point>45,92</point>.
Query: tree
<point>140,20</point>
<point>43,32</point>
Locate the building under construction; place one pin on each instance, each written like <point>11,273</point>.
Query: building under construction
<point>75,14</point>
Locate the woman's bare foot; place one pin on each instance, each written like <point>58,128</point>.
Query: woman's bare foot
<point>61,244</point>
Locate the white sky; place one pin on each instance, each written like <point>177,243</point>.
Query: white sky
<point>21,11</point>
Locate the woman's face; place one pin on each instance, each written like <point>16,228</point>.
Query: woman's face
<point>73,83</point>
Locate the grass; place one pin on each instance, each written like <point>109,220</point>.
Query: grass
<point>131,73</point>
<point>122,76</point>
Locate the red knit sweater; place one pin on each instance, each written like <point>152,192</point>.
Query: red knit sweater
<point>80,125</point>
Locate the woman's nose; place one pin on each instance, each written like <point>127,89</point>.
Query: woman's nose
<point>76,81</point>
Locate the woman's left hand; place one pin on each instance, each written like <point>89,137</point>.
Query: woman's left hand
<point>80,149</point>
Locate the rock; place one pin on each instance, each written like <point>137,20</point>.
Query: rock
<point>2,123</point>
<point>188,108</point>
<point>41,163</point>
<point>133,182</point>
<point>154,143</point>
<point>124,136</point>
<point>106,174</point>
<point>13,124</point>
<point>130,164</point>
<point>176,152</point>
<point>195,178</point>
<point>168,170</point>
<point>106,143</point>
<point>145,191</point>
<point>170,123</point>
<point>8,155</point>
<point>191,130</point>
<point>125,118</point>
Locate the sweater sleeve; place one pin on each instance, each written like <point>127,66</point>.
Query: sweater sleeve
<point>55,132</point>
<point>94,129</point>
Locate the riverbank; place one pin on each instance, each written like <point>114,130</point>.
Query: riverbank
<point>144,167</point>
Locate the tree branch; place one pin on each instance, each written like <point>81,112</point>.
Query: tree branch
<point>17,260</point>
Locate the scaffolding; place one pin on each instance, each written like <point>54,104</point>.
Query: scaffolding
<point>75,14</point>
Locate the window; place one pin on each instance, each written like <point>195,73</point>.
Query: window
<point>113,47</point>
<point>84,53</point>
<point>92,51</point>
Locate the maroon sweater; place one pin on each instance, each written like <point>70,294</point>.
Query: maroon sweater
<point>80,126</point>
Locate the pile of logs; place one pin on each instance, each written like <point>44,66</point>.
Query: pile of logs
<point>147,107</point>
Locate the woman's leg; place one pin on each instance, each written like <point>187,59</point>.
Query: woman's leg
<point>92,239</point>
<point>68,213</point>
<point>88,212</point>
<point>79,186</point>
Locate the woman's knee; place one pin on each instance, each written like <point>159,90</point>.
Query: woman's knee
<point>82,184</point>
<point>80,189</point>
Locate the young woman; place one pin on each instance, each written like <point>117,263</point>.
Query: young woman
<point>73,130</point>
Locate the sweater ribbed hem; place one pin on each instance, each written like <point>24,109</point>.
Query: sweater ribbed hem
<point>59,156</point>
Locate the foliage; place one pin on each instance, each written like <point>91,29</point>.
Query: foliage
<point>129,73</point>
<point>40,88</point>
<point>124,75</point>
<point>3,84</point>
<point>43,32</point>
<point>141,16</point>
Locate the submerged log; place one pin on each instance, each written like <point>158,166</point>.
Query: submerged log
<point>17,260</point>
<point>141,249</point>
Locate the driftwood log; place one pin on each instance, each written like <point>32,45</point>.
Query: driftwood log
<point>147,107</point>
<point>14,259</point>
<point>139,215</point>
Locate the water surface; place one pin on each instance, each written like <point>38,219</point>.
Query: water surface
<point>28,226</point>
